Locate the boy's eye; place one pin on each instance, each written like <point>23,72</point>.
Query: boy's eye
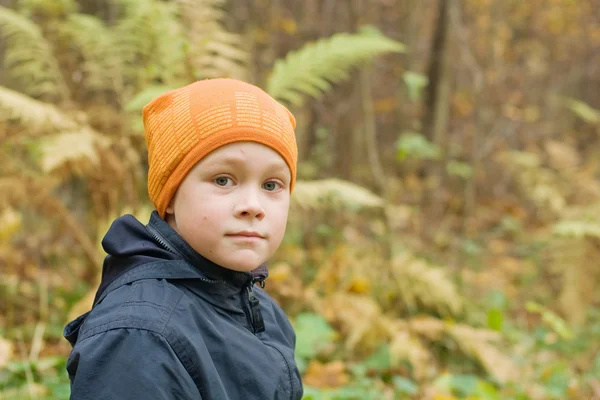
<point>271,186</point>
<point>223,181</point>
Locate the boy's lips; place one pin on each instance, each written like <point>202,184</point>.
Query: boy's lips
<point>246,234</point>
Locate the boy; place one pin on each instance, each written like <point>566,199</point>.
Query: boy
<point>178,314</point>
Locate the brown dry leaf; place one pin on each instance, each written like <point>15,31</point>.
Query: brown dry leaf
<point>385,105</point>
<point>359,318</point>
<point>332,271</point>
<point>428,327</point>
<point>498,246</point>
<point>284,282</point>
<point>478,343</point>
<point>406,346</point>
<point>329,375</point>
<point>293,254</point>
<point>6,349</point>
<point>68,146</point>
<point>562,155</point>
<point>422,285</point>
<point>359,285</point>
<point>10,223</point>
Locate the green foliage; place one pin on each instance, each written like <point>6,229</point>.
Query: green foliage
<point>496,310</point>
<point>313,69</point>
<point>44,379</point>
<point>466,385</point>
<point>413,145</point>
<point>313,336</point>
<point>554,321</point>
<point>362,387</point>
<point>137,103</point>
<point>28,58</point>
<point>97,45</point>
<point>460,169</point>
<point>47,8</point>
<point>213,50</point>
<point>149,34</point>
<point>415,83</point>
<point>583,110</point>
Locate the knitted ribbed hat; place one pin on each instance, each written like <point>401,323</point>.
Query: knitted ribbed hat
<point>184,125</point>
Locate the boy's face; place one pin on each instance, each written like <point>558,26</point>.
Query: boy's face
<point>233,205</point>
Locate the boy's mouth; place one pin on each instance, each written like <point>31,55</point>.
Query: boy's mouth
<point>246,234</point>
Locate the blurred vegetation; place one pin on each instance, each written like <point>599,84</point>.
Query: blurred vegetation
<point>444,237</point>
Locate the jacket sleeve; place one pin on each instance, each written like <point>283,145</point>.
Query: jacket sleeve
<point>128,364</point>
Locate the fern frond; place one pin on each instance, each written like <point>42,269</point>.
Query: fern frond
<point>334,194</point>
<point>573,251</point>
<point>479,344</point>
<point>423,286</point>
<point>34,116</point>
<point>541,185</point>
<point>359,319</point>
<point>32,67</point>
<point>96,43</point>
<point>406,345</point>
<point>313,69</point>
<point>577,229</point>
<point>151,43</point>
<point>61,148</point>
<point>214,52</point>
<point>579,222</point>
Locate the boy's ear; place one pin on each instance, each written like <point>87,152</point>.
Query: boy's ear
<point>169,209</point>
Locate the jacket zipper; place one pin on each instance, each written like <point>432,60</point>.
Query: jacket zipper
<point>255,315</point>
<point>162,242</point>
<point>167,246</point>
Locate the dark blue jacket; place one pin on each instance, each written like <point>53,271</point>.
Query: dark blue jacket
<point>169,324</point>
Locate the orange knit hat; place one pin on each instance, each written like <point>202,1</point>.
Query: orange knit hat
<point>184,125</point>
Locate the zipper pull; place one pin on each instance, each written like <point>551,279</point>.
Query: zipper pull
<point>257,319</point>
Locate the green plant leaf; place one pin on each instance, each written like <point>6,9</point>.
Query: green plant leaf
<point>405,386</point>
<point>495,319</point>
<point>556,323</point>
<point>415,83</point>
<point>28,59</point>
<point>583,110</point>
<point>460,169</point>
<point>380,360</point>
<point>311,70</point>
<point>137,103</point>
<point>416,146</point>
<point>313,334</point>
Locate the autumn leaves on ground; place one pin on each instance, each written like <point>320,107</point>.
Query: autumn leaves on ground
<point>444,231</point>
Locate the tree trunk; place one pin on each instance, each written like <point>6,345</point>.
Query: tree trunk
<point>437,101</point>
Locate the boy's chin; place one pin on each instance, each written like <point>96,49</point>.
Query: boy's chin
<point>242,264</point>
<point>241,267</point>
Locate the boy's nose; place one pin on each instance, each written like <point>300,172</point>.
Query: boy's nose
<point>250,206</point>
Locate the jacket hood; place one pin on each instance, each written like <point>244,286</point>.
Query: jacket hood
<point>128,243</point>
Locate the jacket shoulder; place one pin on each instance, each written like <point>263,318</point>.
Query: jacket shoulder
<point>144,304</point>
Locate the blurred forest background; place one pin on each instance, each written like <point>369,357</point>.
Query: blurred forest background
<point>445,235</point>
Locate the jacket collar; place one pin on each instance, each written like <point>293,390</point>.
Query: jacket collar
<point>167,237</point>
